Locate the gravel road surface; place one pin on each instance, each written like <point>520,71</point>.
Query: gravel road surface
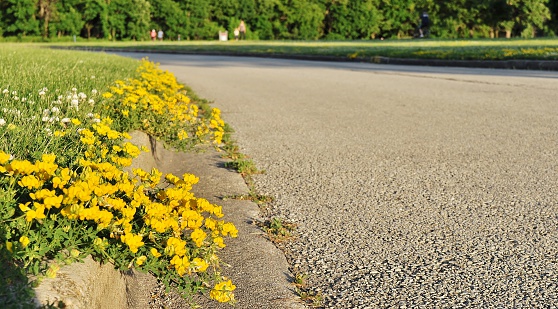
<point>412,187</point>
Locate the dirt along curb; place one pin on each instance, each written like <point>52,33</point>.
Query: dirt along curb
<point>258,269</point>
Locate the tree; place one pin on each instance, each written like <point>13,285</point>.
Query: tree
<point>128,19</point>
<point>19,17</point>
<point>399,17</point>
<point>95,18</point>
<point>199,24</point>
<point>47,11</point>
<point>304,20</point>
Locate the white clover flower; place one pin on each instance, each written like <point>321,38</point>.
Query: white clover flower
<point>65,120</point>
<point>45,118</point>
<point>94,91</point>
<point>2,122</point>
<point>16,98</point>
<point>23,100</point>
<point>89,115</point>
<point>55,110</point>
<point>74,89</point>
<point>48,131</point>
<point>5,91</point>
<point>56,119</point>
<point>42,93</point>
<point>96,120</point>
<point>60,97</point>
<point>92,76</point>
<point>74,103</point>
<point>91,101</point>
<point>14,92</point>
<point>82,96</point>
<point>79,130</point>
<point>46,112</point>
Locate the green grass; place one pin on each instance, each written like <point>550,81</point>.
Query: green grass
<point>25,71</point>
<point>485,49</point>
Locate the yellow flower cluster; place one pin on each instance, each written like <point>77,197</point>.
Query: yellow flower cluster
<point>155,98</point>
<point>223,292</point>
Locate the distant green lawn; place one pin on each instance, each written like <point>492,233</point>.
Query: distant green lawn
<point>497,49</point>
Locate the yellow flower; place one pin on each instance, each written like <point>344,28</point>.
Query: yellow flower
<point>199,265</point>
<point>74,253</point>
<point>141,260</point>
<point>76,122</point>
<point>198,237</point>
<point>36,213</point>
<point>175,246</point>
<point>21,167</point>
<point>182,135</point>
<point>191,219</point>
<point>4,157</point>
<point>10,246</point>
<point>24,240</point>
<point>229,228</point>
<point>219,242</point>
<point>222,292</point>
<point>107,95</point>
<point>30,182</point>
<point>133,241</point>
<point>155,253</point>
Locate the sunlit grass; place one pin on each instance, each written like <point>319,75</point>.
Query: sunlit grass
<point>482,49</point>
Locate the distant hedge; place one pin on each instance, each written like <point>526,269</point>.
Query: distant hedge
<point>274,19</point>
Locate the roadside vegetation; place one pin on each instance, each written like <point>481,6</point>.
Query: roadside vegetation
<point>482,49</point>
<point>64,194</point>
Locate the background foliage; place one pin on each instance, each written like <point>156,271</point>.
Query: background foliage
<point>275,19</point>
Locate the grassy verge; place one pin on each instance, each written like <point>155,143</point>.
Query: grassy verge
<point>63,192</point>
<point>495,49</point>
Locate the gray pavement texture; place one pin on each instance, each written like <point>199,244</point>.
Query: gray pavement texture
<point>411,187</point>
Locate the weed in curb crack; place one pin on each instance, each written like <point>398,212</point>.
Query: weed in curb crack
<point>313,299</point>
<point>256,198</point>
<point>278,230</point>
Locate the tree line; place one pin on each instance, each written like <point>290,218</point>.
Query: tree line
<point>276,19</point>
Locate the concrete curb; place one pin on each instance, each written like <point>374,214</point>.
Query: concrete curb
<point>544,65</point>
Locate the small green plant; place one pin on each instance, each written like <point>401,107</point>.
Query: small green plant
<point>313,299</point>
<point>243,165</point>
<point>278,230</point>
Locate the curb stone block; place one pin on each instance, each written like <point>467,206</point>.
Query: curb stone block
<point>90,285</point>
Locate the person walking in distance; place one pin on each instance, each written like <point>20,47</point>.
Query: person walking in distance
<point>242,30</point>
<point>424,24</point>
<point>153,34</point>
<point>160,35</point>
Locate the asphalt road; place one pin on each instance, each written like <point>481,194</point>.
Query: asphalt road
<point>412,187</point>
